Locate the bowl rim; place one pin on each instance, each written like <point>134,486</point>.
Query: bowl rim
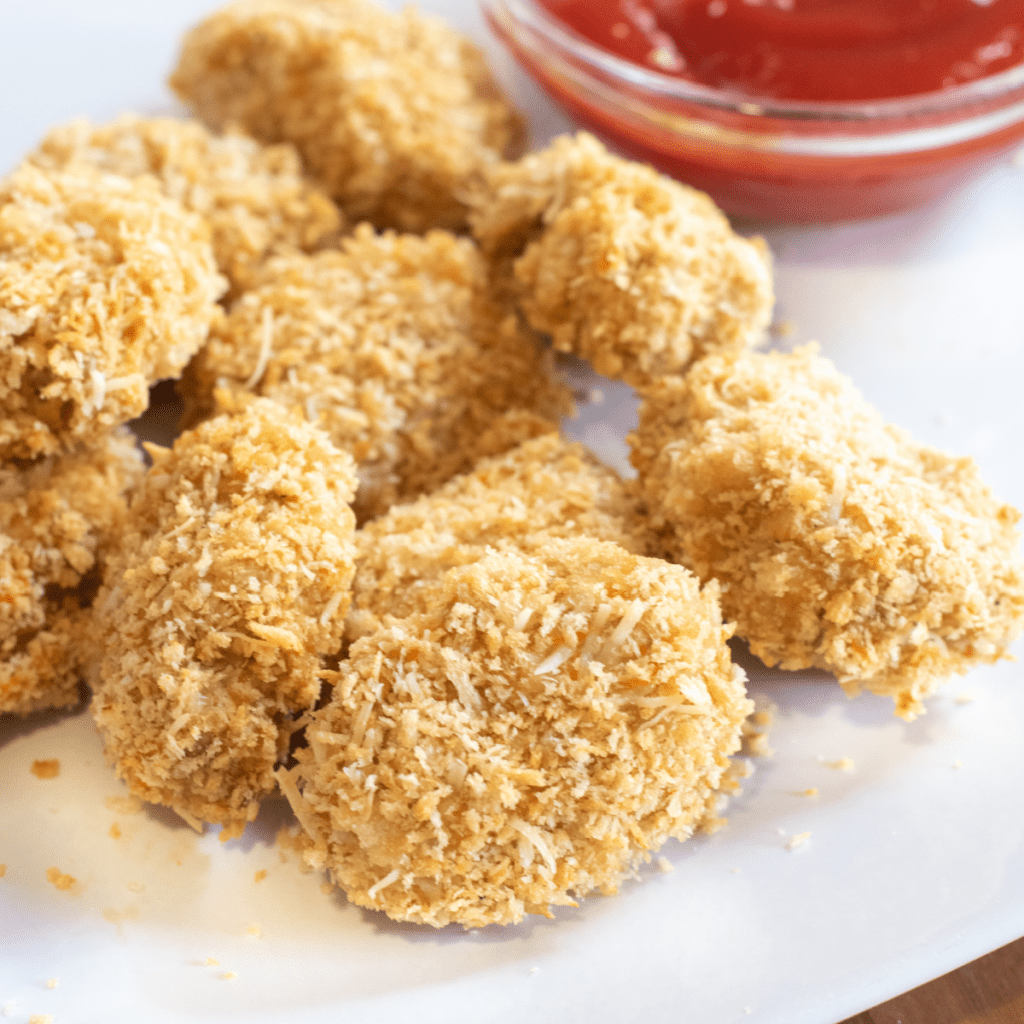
<point>531,16</point>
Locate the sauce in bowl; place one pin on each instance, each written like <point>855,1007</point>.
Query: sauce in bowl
<point>832,50</point>
<point>805,110</point>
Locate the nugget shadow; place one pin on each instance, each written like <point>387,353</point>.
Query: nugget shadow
<point>13,727</point>
<point>455,934</point>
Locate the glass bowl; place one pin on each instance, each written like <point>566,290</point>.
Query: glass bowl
<point>777,160</point>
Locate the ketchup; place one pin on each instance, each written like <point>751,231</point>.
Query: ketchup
<point>832,50</point>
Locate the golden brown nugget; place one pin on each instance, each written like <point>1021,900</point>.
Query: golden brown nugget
<point>394,113</point>
<point>60,518</point>
<point>839,542</point>
<point>535,735</point>
<point>543,488</point>
<point>232,584</point>
<point>254,198</point>
<point>106,286</point>
<point>394,346</point>
<point>621,265</point>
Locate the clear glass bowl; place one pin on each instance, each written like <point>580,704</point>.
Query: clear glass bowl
<point>794,161</point>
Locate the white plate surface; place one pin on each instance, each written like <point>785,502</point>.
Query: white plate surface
<point>915,863</point>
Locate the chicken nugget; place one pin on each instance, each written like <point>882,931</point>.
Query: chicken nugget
<point>394,346</point>
<point>544,488</point>
<point>105,287</point>
<point>552,720</point>
<point>839,541</point>
<point>394,113</point>
<point>231,585</point>
<point>60,517</point>
<point>254,197</point>
<point>621,265</point>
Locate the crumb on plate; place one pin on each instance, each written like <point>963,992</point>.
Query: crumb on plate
<point>47,769</point>
<point>59,880</point>
<point>796,841</point>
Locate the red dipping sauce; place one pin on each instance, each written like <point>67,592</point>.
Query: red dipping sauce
<point>809,110</point>
<point>833,50</point>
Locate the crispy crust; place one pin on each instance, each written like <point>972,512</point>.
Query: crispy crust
<point>60,517</point>
<point>396,114</point>
<point>548,723</point>
<point>232,583</point>
<point>396,349</point>
<point>254,197</point>
<point>839,541</point>
<point>630,270</point>
<point>544,488</point>
<point>105,287</point>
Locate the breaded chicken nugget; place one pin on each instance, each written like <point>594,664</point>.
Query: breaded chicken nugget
<point>395,114</point>
<point>395,347</point>
<point>105,287</point>
<point>232,583</point>
<point>619,264</point>
<point>544,488</point>
<point>548,723</point>
<point>60,517</point>
<point>839,542</point>
<point>254,197</point>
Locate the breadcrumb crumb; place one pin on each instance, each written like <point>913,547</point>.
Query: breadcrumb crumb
<point>395,113</point>
<point>622,266</point>
<point>41,1018</point>
<point>811,791</point>
<point>255,931</point>
<point>48,769</point>
<point>665,866</point>
<point>844,764</point>
<point>52,982</point>
<point>544,724</point>
<point>840,543</point>
<point>59,880</point>
<point>260,875</point>
<point>965,698</point>
<point>796,841</point>
<point>3,870</point>
<point>231,586</point>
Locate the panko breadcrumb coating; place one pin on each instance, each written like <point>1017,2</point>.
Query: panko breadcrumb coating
<point>544,488</point>
<point>394,346</point>
<point>231,584</point>
<point>60,517</point>
<point>621,265</point>
<point>839,542</point>
<point>553,720</point>
<point>105,287</point>
<point>395,114</point>
<point>254,197</point>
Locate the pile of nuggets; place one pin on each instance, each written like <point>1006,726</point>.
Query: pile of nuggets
<point>488,674</point>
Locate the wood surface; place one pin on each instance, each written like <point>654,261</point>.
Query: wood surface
<point>987,991</point>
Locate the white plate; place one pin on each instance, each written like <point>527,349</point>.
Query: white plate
<point>915,863</point>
